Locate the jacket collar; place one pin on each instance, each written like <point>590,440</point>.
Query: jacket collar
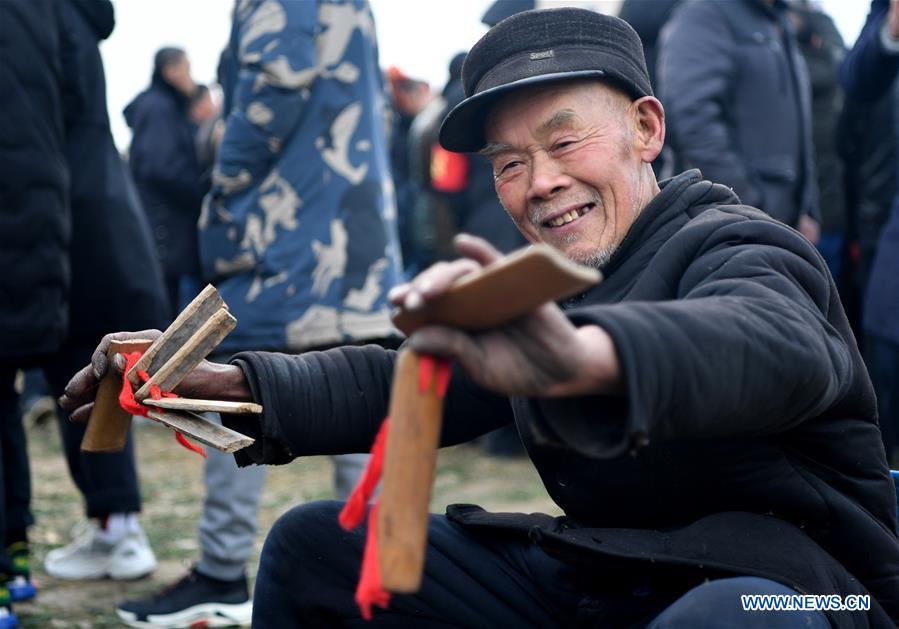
<point>658,220</point>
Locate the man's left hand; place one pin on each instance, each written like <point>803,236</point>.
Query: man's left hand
<point>539,355</point>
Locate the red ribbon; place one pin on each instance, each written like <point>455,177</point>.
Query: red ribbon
<point>131,405</point>
<point>369,590</point>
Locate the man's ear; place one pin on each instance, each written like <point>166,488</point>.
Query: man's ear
<point>649,122</point>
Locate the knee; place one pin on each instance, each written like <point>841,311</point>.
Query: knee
<point>308,567</point>
<point>719,603</point>
<point>305,529</point>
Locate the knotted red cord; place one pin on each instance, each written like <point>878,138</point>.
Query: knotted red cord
<point>131,405</point>
<point>369,591</point>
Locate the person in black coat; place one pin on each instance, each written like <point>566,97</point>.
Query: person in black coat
<point>116,281</point>
<point>868,73</point>
<point>163,161</point>
<point>35,232</point>
<point>737,98</point>
<point>702,416</point>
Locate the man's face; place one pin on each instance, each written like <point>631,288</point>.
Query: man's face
<point>178,76</point>
<point>567,167</point>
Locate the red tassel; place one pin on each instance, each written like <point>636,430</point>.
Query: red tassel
<point>126,396</point>
<point>354,510</point>
<point>127,401</point>
<point>369,591</point>
<point>190,446</point>
<point>426,365</point>
<point>444,371</point>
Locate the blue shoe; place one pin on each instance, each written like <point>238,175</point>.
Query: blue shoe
<point>8,619</point>
<point>20,586</point>
<point>20,589</point>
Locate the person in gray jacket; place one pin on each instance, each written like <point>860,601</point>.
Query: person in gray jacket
<point>737,96</point>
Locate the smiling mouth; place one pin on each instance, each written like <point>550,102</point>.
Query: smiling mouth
<point>569,216</point>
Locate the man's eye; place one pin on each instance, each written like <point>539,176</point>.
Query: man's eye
<point>509,166</point>
<point>563,144</point>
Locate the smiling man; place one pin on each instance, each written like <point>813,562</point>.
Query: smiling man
<point>702,416</point>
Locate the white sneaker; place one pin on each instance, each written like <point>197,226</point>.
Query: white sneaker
<point>89,556</point>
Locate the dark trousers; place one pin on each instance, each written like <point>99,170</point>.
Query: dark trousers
<point>15,475</point>
<point>882,360</point>
<point>107,480</point>
<point>309,568</point>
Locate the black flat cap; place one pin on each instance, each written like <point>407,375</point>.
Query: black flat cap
<point>536,47</point>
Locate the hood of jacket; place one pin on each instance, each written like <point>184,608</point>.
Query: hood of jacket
<point>99,14</point>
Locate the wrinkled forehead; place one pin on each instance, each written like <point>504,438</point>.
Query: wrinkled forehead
<point>539,110</point>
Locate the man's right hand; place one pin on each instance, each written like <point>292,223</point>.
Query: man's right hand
<point>208,380</point>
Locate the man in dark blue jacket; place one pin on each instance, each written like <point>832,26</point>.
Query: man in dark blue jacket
<point>164,164</point>
<point>868,72</point>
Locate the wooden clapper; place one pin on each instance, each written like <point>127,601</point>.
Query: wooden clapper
<point>500,293</point>
<point>167,360</point>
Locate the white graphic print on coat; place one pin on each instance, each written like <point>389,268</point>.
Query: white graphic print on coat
<point>331,259</point>
<point>337,153</point>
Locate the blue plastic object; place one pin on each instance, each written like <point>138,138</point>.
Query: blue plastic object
<point>9,621</point>
<point>21,590</point>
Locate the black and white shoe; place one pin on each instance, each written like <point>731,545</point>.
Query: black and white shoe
<point>194,601</point>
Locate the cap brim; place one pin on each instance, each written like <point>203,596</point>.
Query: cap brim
<point>463,130</point>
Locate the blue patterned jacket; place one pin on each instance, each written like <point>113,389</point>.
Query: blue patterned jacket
<point>299,230</point>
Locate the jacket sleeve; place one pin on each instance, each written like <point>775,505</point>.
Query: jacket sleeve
<point>277,57</point>
<point>869,69</point>
<point>745,349</point>
<point>697,65</point>
<point>333,402</point>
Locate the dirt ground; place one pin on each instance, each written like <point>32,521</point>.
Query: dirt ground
<point>172,488</point>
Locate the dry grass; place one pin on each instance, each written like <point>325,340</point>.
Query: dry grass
<point>171,482</point>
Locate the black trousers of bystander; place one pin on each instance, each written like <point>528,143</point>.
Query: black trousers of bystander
<point>107,480</point>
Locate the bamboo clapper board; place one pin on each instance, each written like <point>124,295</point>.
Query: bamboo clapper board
<point>199,328</point>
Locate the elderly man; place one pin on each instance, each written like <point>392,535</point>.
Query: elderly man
<point>702,417</point>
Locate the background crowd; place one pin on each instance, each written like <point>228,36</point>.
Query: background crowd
<point>306,181</point>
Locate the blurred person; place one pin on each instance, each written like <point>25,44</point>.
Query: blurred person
<point>118,283</point>
<point>298,234</point>
<point>737,97</point>
<point>823,49</point>
<point>409,97</point>
<point>868,73</point>
<point>35,232</point>
<point>869,158</point>
<point>647,17</point>
<point>206,114</point>
<point>702,416</point>
<point>163,162</point>
<point>202,106</point>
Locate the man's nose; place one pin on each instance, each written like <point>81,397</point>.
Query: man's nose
<point>547,178</point>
